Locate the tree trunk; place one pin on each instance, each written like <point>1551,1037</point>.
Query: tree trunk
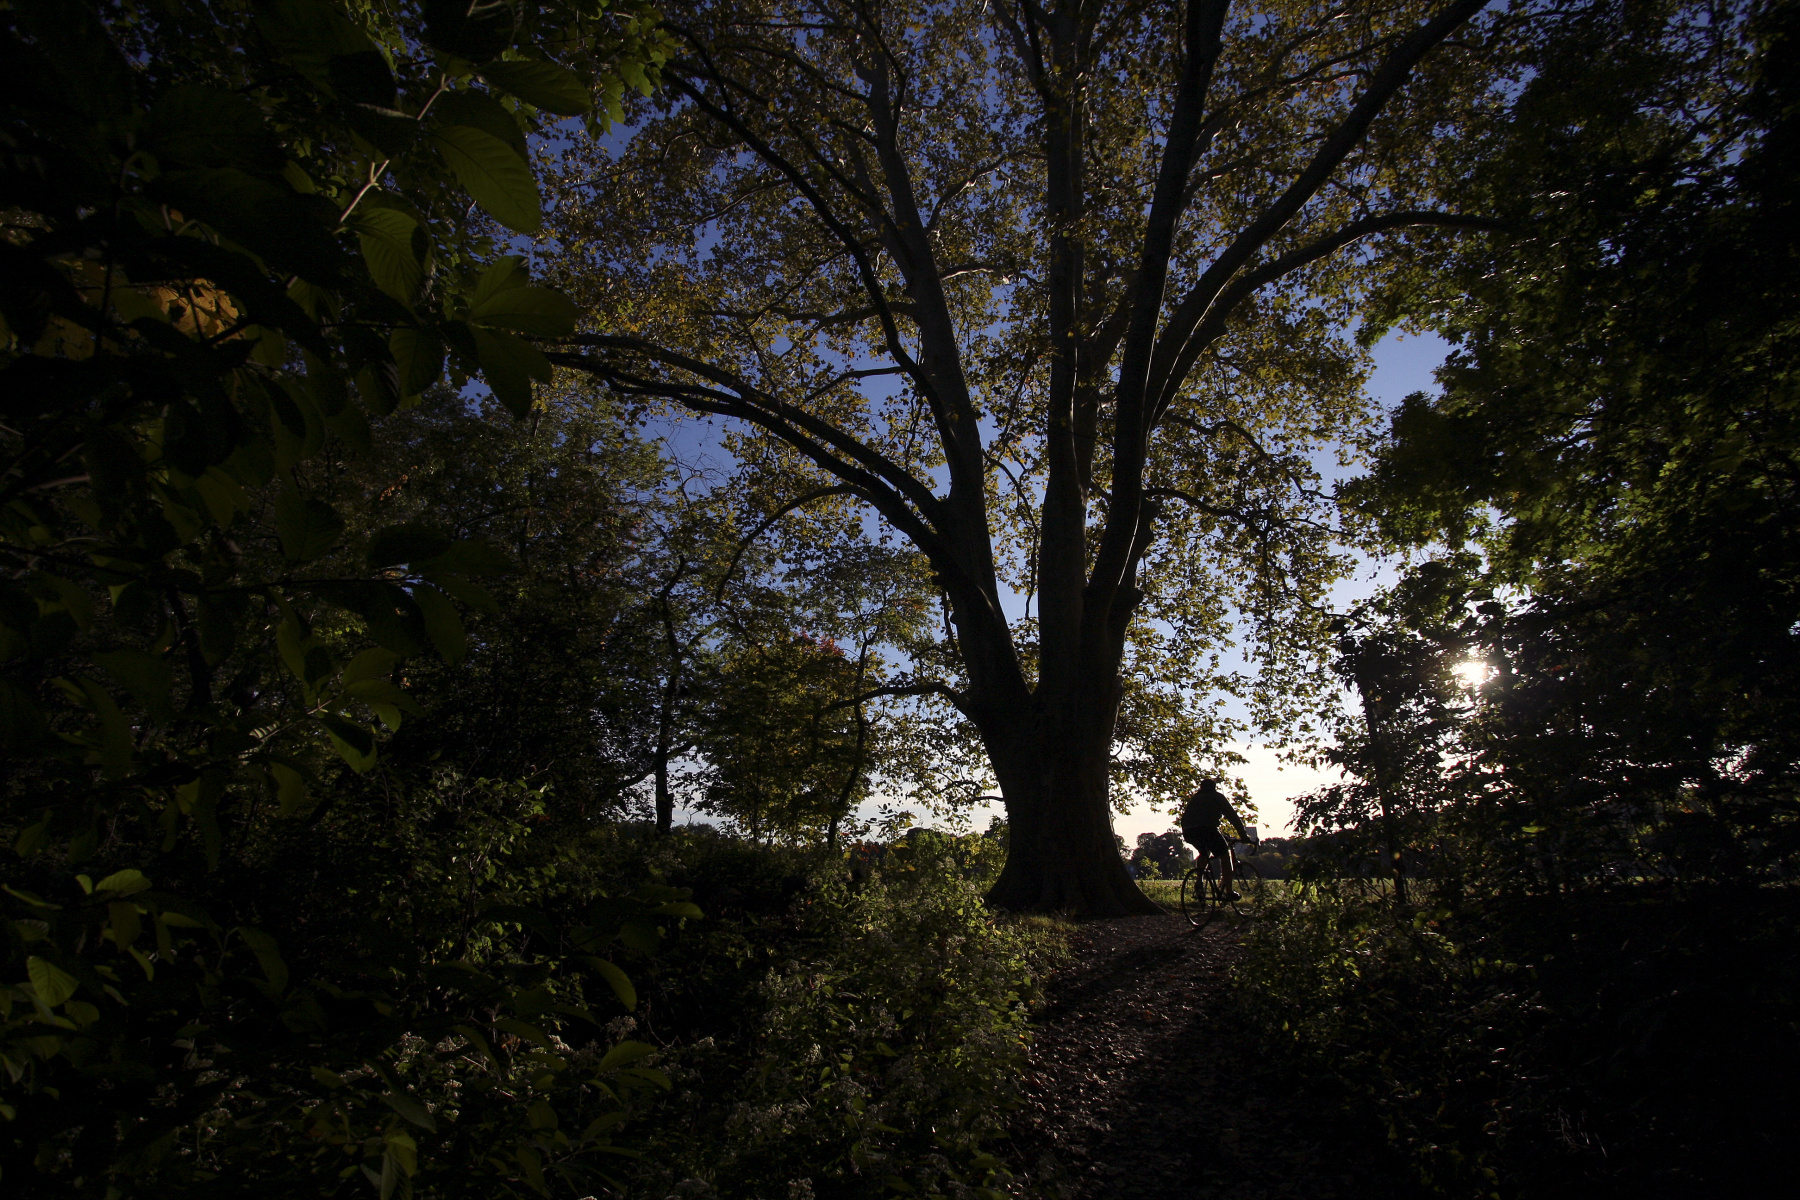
<point>1062,856</point>
<point>1379,768</point>
<point>665,800</point>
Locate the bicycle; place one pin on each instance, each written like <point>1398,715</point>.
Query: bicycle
<point>1203,892</point>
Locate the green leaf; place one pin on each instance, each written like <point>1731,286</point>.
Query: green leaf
<point>290,788</point>
<point>442,623</point>
<point>71,596</point>
<point>402,545</point>
<point>616,979</point>
<point>307,527</point>
<point>267,955</point>
<point>474,1038</point>
<point>122,915</point>
<point>31,898</point>
<point>458,588</point>
<point>373,663</point>
<point>378,384</point>
<point>293,643</point>
<point>290,231</point>
<point>52,984</point>
<point>403,1150</point>
<point>328,48</point>
<point>624,1054</point>
<point>543,85</point>
<point>325,385</point>
<point>495,177</point>
<point>476,32</point>
<point>193,126</point>
<point>518,914</point>
<point>518,1028</point>
<point>298,429</point>
<point>224,496</point>
<point>389,131</point>
<point>115,731</point>
<point>509,365</point>
<point>604,1123</point>
<point>419,354</point>
<point>640,935</point>
<point>393,618</point>
<point>478,110</point>
<point>394,247</point>
<point>411,1109</point>
<point>146,676</point>
<point>502,275</point>
<point>632,72</point>
<point>125,883</point>
<point>354,743</point>
<point>537,311</point>
<point>382,691</point>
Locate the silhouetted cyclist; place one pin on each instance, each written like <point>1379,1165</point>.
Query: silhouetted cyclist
<point>1200,818</point>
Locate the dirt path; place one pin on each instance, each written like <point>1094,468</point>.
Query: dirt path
<point>1125,1096</point>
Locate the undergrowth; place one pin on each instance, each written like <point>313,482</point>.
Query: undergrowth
<point>1577,1045</point>
<point>831,1036</point>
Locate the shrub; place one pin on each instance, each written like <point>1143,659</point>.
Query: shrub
<point>1582,1045</point>
<point>837,1038</point>
<point>435,1015</point>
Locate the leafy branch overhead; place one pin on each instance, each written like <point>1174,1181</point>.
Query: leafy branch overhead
<point>239,238</point>
<point>225,267</point>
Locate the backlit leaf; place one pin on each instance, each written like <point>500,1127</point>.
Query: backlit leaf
<point>541,84</point>
<point>478,110</point>
<point>617,980</point>
<point>391,248</point>
<point>307,527</point>
<point>124,883</point>
<point>328,48</point>
<point>540,312</point>
<point>52,984</point>
<point>509,366</point>
<point>497,178</point>
<point>442,623</point>
<point>419,355</point>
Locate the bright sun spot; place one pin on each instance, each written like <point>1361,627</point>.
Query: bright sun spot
<point>1472,672</point>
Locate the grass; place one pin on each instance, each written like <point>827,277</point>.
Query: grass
<point>1167,892</point>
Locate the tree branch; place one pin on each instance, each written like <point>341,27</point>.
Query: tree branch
<point>1204,23</point>
<point>871,281</point>
<point>797,502</point>
<point>904,689</point>
<point>745,400</point>
<point>1220,311</point>
<point>1386,81</point>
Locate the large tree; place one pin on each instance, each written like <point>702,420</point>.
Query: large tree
<point>1060,291</point>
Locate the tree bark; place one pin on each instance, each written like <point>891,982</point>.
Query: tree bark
<point>1061,853</point>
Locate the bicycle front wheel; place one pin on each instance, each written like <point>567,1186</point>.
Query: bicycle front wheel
<point>1198,897</point>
